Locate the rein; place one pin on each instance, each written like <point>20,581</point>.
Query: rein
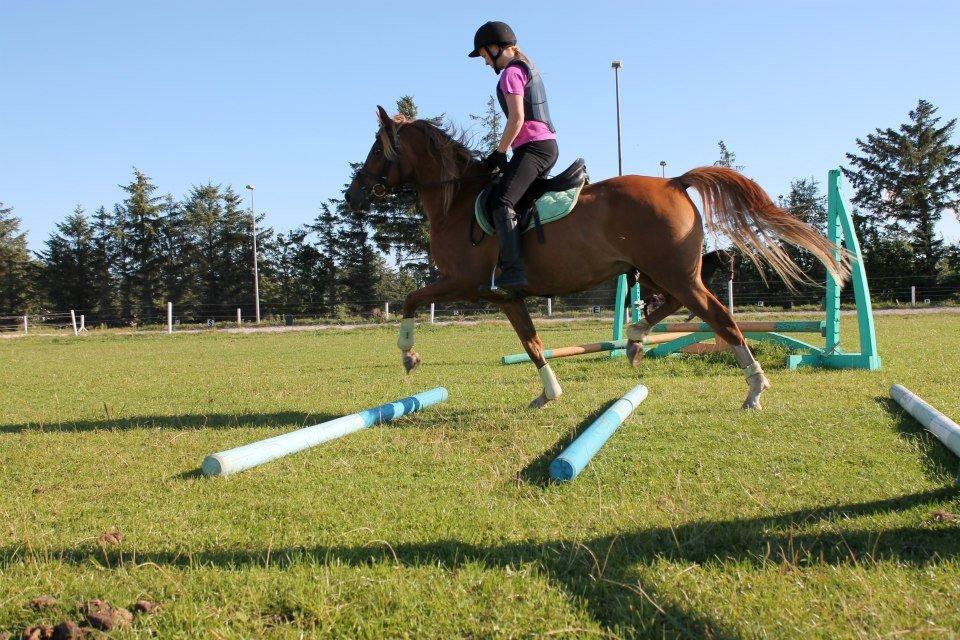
<point>381,177</point>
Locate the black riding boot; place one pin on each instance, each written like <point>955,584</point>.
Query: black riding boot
<point>512,278</point>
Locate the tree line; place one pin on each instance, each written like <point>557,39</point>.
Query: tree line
<point>121,264</point>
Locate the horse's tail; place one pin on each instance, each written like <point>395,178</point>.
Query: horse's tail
<point>741,210</point>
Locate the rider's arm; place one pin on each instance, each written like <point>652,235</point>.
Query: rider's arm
<point>514,121</point>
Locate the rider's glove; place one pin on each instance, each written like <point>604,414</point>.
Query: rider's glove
<point>496,160</point>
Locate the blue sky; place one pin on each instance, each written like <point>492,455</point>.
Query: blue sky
<point>282,94</point>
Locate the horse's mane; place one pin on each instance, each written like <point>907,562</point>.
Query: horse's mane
<point>449,145</point>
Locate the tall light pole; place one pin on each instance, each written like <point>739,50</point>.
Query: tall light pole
<point>256,274</point>
<point>663,168</point>
<point>616,64</point>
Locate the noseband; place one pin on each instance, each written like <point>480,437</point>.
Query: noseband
<point>381,183</point>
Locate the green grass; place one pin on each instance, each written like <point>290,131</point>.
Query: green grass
<point>810,519</point>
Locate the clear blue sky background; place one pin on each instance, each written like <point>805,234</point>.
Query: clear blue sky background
<point>282,94</point>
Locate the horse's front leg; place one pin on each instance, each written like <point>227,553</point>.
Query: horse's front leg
<point>516,311</point>
<point>439,291</point>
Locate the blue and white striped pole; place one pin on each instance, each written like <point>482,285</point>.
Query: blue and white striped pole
<point>575,458</point>
<point>943,428</point>
<point>257,453</point>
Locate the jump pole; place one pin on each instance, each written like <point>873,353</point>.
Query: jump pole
<point>256,453</point>
<point>593,347</point>
<point>943,428</point>
<point>575,458</point>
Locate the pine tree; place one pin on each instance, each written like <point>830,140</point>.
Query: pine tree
<point>140,218</point>
<point>67,264</point>
<point>17,270</point>
<point>202,228</point>
<point>103,286</point>
<point>727,158</point>
<point>906,179</point>
<point>360,263</point>
<point>492,126</point>
<point>327,227</point>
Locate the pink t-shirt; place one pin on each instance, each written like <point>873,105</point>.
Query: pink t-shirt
<point>513,80</point>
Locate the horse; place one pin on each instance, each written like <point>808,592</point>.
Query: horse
<point>629,222</point>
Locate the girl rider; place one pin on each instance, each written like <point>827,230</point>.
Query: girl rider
<point>529,132</point>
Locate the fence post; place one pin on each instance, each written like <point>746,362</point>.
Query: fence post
<point>169,317</point>
<point>26,326</point>
<point>913,295</point>
<point>730,294</point>
<point>83,323</point>
<point>432,316</point>
<point>73,321</point>
<point>549,306</point>
<point>239,318</point>
<point>386,310</point>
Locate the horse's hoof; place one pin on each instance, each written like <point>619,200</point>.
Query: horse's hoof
<point>411,360</point>
<point>758,384</point>
<point>539,402</point>
<point>634,352</point>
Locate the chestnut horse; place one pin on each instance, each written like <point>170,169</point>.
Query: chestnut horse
<point>630,222</point>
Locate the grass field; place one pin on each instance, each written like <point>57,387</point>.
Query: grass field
<point>826,515</point>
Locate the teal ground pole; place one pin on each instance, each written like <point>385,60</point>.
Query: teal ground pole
<point>575,458</point>
<point>257,453</point>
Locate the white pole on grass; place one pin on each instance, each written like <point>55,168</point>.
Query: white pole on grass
<point>432,310</point>
<point>730,294</point>
<point>386,310</point>
<point>26,326</point>
<point>73,321</point>
<point>549,306</point>
<point>239,318</point>
<point>913,295</point>
<point>169,317</point>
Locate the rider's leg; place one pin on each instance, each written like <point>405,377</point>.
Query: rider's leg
<point>529,162</point>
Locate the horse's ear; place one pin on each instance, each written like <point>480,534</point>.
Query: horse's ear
<point>385,120</point>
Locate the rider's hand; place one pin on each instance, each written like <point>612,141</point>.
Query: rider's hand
<point>496,160</point>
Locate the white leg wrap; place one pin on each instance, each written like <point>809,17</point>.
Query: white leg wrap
<point>405,341</point>
<point>551,388</point>
<point>752,369</point>
<point>638,331</point>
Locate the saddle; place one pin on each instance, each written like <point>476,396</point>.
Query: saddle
<point>547,200</point>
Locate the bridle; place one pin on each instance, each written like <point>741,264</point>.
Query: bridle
<point>381,182</point>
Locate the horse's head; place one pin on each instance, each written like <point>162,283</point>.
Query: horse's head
<point>386,166</point>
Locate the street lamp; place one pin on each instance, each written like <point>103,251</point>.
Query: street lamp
<point>663,168</point>
<point>617,65</point>
<point>256,275</point>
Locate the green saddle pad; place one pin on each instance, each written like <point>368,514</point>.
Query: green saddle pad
<point>552,206</point>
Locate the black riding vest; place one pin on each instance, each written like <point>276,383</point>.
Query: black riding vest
<point>534,96</point>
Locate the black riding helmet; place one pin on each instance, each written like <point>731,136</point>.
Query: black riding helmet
<point>498,33</point>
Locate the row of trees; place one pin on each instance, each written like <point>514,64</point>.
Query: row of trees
<point>121,264</point>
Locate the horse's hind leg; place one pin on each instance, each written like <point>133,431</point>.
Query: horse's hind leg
<point>516,312</point>
<point>699,300</point>
<point>637,332</point>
